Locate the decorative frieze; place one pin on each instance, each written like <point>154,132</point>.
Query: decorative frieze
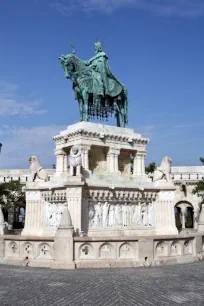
<point>53,196</point>
<point>110,214</point>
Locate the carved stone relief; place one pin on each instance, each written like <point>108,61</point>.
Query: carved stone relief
<point>161,249</point>
<point>86,251</point>
<point>125,251</point>
<point>187,247</point>
<point>105,251</point>
<point>28,250</point>
<point>120,214</point>
<point>53,213</point>
<point>45,251</point>
<point>175,249</point>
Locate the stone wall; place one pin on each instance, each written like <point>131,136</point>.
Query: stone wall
<point>104,252</point>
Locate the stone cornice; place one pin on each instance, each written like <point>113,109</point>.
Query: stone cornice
<point>119,195</point>
<point>101,136</point>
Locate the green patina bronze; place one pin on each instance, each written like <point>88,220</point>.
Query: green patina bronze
<point>97,90</point>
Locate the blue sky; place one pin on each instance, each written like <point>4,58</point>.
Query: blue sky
<point>155,48</point>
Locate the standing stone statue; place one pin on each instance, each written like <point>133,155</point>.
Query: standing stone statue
<point>97,90</point>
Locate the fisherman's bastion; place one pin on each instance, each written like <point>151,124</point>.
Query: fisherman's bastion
<point>98,207</point>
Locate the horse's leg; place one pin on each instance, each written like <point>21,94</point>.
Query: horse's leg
<point>81,109</point>
<point>117,115</point>
<point>86,105</point>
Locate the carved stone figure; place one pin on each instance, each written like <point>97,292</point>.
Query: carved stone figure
<point>118,214</point>
<point>150,214</point>
<point>98,215</point>
<point>163,172</point>
<point>105,209</point>
<point>111,219</point>
<point>75,160</point>
<point>97,90</point>
<point>125,211</point>
<point>37,171</point>
<point>143,219</point>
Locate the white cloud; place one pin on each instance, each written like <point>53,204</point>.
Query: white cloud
<point>181,8</point>
<point>19,143</point>
<point>11,103</point>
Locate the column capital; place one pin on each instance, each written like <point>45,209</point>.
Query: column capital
<point>59,152</point>
<point>85,148</point>
<point>141,154</point>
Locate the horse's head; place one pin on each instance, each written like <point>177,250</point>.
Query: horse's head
<point>68,64</point>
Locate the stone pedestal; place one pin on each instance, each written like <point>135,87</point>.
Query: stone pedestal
<point>63,243</point>
<point>164,211</point>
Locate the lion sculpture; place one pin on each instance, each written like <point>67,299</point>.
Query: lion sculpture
<point>163,172</point>
<point>75,161</point>
<point>37,171</point>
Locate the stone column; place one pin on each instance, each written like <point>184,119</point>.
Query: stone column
<point>2,223</point>
<point>61,162</point>
<point>201,220</point>
<point>85,157</point>
<point>137,164</point>
<point>164,213</point>
<point>112,160</point>
<point>142,156</point>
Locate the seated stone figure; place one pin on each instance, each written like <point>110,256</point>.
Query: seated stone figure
<point>163,172</point>
<point>37,171</point>
<point>75,161</point>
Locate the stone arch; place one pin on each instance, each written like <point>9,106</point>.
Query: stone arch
<point>125,250</point>
<point>187,247</point>
<point>184,215</point>
<point>161,249</point>
<point>86,251</point>
<point>175,248</point>
<point>106,250</point>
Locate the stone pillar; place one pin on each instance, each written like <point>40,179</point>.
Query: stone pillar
<point>61,162</point>
<point>201,220</point>
<point>2,223</point>
<point>142,156</point>
<point>137,164</point>
<point>112,160</point>
<point>34,217</point>
<point>63,243</point>
<point>85,157</point>
<point>1,248</point>
<point>74,199</point>
<point>164,213</point>
<point>183,218</point>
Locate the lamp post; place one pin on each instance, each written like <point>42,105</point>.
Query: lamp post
<point>0,147</point>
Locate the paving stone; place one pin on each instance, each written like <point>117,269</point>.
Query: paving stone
<point>158,286</point>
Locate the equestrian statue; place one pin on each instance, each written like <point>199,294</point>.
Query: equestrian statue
<point>97,90</point>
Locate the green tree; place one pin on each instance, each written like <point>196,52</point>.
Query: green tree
<point>150,168</point>
<point>12,195</point>
<point>199,188</point>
